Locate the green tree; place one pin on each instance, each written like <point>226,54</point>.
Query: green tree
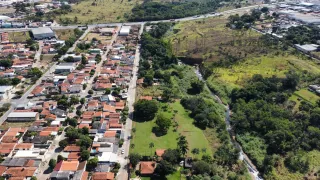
<point>134,159</point>
<point>82,101</point>
<point>63,143</point>
<point>182,145</point>
<point>84,86</point>
<point>92,163</point>
<point>151,145</point>
<point>85,142</point>
<point>164,168</point>
<point>33,178</point>
<point>74,99</point>
<point>52,163</point>
<point>73,122</point>
<point>163,123</point>
<point>15,81</point>
<point>195,151</point>
<point>145,109</point>
<point>201,167</point>
<point>60,158</point>
<point>90,91</point>
<point>171,155</point>
<point>85,130</point>
<point>72,133</point>
<point>108,91</point>
<point>85,154</point>
<point>35,72</point>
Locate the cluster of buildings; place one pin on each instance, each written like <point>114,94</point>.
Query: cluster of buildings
<point>26,150</point>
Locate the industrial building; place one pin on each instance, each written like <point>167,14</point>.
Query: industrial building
<point>124,31</point>
<point>64,68</point>
<point>23,116</point>
<point>43,33</point>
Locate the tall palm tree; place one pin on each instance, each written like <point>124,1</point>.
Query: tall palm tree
<point>182,145</point>
<point>151,145</point>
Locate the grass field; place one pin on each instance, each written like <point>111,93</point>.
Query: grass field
<point>267,66</point>
<point>210,40</point>
<point>64,34</point>
<point>304,95</point>
<point>103,11</point>
<point>18,36</point>
<point>195,136</point>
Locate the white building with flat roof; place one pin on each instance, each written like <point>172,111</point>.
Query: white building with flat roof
<point>22,116</point>
<point>124,31</point>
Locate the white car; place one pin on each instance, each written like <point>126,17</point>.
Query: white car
<point>122,151</point>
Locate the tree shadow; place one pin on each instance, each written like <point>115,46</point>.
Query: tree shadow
<point>48,171</point>
<point>158,132</point>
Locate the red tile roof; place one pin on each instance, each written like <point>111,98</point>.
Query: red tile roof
<point>159,152</point>
<point>21,171</point>
<point>147,167</point>
<point>72,148</point>
<point>103,176</point>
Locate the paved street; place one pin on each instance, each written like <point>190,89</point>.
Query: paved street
<point>123,173</point>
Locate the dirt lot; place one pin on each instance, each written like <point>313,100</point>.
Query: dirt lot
<point>103,39</point>
<point>210,40</point>
<point>7,125</point>
<point>18,36</point>
<point>64,34</point>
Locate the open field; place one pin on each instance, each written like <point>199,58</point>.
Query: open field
<point>18,36</point>
<point>304,95</point>
<point>7,125</point>
<point>90,11</point>
<point>5,10</point>
<point>103,39</point>
<point>64,34</point>
<point>194,135</point>
<point>209,40</point>
<point>267,66</point>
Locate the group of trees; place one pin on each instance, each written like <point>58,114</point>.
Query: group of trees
<point>245,20</point>
<point>204,113</point>
<point>80,137</point>
<point>260,114</point>
<point>149,10</point>
<point>69,43</point>
<point>9,81</point>
<point>156,52</point>
<point>145,110</point>
<point>303,34</point>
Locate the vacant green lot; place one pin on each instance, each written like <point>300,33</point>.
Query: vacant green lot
<point>267,66</point>
<point>64,34</point>
<point>303,95</point>
<point>195,136</point>
<point>19,36</point>
<point>100,11</point>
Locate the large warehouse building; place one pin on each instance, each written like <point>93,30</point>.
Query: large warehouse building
<point>43,33</point>
<point>22,116</point>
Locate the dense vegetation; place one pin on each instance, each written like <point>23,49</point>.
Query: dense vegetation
<point>260,114</point>
<point>303,34</point>
<point>158,63</point>
<point>156,11</point>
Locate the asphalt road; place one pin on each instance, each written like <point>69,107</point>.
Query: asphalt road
<point>123,171</point>
<point>233,11</point>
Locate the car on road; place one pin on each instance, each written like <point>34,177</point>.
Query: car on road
<point>122,151</point>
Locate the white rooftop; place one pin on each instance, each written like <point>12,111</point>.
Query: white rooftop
<point>22,114</point>
<point>108,157</point>
<point>5,88</point>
